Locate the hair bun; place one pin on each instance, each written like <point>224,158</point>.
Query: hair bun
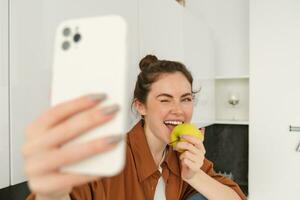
<point>146,61</point>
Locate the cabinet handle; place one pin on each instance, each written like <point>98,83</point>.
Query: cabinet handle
<point>294,128</point>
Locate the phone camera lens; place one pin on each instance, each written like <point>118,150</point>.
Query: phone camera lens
<point>65,45</point>
<point>77,37</point>
<point>66,31</point>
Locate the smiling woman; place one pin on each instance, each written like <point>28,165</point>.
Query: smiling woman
<point>163,96</point>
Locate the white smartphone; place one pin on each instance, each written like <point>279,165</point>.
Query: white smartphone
<point>90,57</point>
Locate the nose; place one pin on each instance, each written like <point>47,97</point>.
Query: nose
<point>177,108</point>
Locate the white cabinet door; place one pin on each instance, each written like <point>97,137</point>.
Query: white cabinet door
<point>4,106</point>
<point>33,25</point>
<point>274,100</point>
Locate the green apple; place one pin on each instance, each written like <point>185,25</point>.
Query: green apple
<point>184,129</point>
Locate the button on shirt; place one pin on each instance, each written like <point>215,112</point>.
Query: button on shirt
<point>140,177</point>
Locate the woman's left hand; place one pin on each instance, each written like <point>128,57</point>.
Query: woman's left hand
<point>193,156</point>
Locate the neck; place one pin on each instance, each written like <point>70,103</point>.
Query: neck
<point>156,146</point>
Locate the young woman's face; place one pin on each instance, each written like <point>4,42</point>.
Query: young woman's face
<point>169,102</point>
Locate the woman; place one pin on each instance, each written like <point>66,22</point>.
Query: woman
<point>163,97</point>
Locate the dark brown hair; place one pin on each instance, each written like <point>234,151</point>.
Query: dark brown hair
<point>151,70</point>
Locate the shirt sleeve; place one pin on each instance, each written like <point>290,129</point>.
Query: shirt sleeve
<point>89,191</point>
<point>208,169</point>
<point>31,197</point>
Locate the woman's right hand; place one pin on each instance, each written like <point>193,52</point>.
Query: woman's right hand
<point>44,153</point>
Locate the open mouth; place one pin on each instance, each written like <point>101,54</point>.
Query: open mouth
<point>171,124</point>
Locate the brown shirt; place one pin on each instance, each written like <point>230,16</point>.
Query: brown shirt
<point>139,178</point>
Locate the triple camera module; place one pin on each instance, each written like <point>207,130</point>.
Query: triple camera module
<point>70,37</point>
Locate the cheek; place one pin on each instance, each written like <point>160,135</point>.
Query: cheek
<point>158,110</point>
<point>188,112</point>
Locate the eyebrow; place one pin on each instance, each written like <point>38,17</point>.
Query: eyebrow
<point>170,96</point>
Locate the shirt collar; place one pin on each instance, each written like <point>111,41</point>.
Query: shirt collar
<point>145,164</point>
<point>173,161</point>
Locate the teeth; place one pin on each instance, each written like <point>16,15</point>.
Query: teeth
<point>173,122</point>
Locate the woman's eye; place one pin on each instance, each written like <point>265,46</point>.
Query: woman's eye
<point>187,99</point>
<point>164,100</point>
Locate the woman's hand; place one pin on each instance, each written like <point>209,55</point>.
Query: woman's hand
<point>44,154</point>
<point>193,156</point>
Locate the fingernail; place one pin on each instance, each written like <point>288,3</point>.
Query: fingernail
<point>97,97</point>
<point>110,109</point>
<point>111,140</point>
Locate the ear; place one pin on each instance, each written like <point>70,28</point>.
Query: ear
<point>140,107</point>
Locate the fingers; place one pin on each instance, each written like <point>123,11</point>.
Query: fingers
<point>193,155</point>
<point>198,159</point>
<point>58,182</point>
<point>62,111</point>
<point>187,146</point>
<point>70,129</point>
<point>57,158</point>
<point>202,130</point>
<point>190,164</point>
<point>195,142</point>
<point>45,153</point>
<point>190,156</point>
<point>193,161</point>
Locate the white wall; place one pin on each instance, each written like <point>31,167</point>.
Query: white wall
<point>228,26</point>
<point>199,57</point>
<point>170,31</point>
<point>32,30</point>
<point>274,99</point>
<point>160,31</point>
<point>228,21</point>
<point>4,106</point>
<point>160,28</point>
